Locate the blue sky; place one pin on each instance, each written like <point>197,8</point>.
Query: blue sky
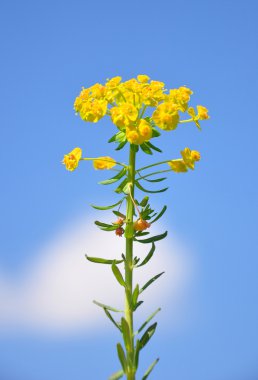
<point>49,51</point>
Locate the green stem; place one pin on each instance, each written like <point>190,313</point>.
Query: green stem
<point>129,264</point>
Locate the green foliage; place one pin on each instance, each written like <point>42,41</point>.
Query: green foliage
<point>145,376</point>
<point>148,257</point>
<point>153,238</point>
<point>148,283</point>
<point>122,357</point>
<point>147,335</point>
<point>140,187</point>
<point>117,375</point>
<point>116,178</point>
<point>118,275</point>
<point>108,207</point>
<point>99,260</point>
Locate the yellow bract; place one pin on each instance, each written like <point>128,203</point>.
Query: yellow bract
<point>189,158</point>
<point>102,163</point>
<point>178,165</point>
<point>71,160</point>
<point>127,102</point>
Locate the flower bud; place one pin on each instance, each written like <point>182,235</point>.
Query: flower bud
<point>119,231</point>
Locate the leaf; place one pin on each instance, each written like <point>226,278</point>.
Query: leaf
<point>148,257</point>
<point>136,353</point>
<point>144,147</point>
<point>118,137</point>
<point>118,275</point>
<point>99,260</point>
<point>150,145</point>
<point>120,187</point>
<point>107,207</point>
<point>153,180</point>
<point>106,227</point>
<point>112,319</point>
<point>137,305</point>
<point>148,283</point>
<point>147,335</point>
<point>153,238</point>
<point>119,214</point>
<point>126,334</point>
<point>135,295</point>
<point>121,356</point>
<point>121,145</point>
<point>145,376</point>
<point>149,191</point>
<point>107,307</point>
<point>159,215</point>
<point>115,178</point>
<point>155,133</point>
<point>147,321</point>
<point>117,375</point>
<point>144,201</point>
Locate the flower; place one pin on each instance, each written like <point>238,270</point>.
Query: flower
<point>102,163</point>
<point>153,93</point>
<point>190,156</point>
<point>166,116</point>
<point>93,110</point>
<point>202,113</point>
<point>71,160</point>
<point>124,115</point>
<point>141,225</point>
<point>119,231</point>
<point>181,97</point>
<point>139,133</point>
<point>178,166</point>
<point>143,78</point>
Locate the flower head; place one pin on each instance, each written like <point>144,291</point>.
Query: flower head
<point>178,166</point>
<point>141,225</point>
<point>71,160</point>
<point>202,113</point>
<point>166,116</point>
<point>190,156</point>
<point>103,163</point>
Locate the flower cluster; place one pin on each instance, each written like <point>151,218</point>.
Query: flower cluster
<point>71,161</point>
<point>127,103</point>
<point>189,157</point>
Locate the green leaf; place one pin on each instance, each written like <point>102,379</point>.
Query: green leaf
<point>144,201</point>
<point>147,335</point>
<point>119,214</point>
<point>112,319</point>
<point>118,275</point>
<point>121,145</point>
<point>135,295</point>
<point>103,306</point>
<point>148,257</point>
<point>145,376</point>
<point>121,186</point>
<point>153,180</point>
<point>99,260</point>
<point>148,283</point>
<point>150,145</point>
<point>126,334</point>
<point>118,137</point>
<point>147,321</point>
<point>155,133</point>
<point>137,305</point>
<point>107,207</point>
<point>136,353</point>
<point>153,238</point>
<point>117,375</point>
<point>149,191</point>
<point>122,357</point>
<point>159,215</point>
<point>106,227</point>
<point>144,147</point>
<point>115,178</point>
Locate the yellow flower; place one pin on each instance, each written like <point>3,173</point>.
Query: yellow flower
<point>190,156</point>
<point>113,82</point>
<point>133,136</point>
<point>102,163</point>
<point>143,78</point>
<point>178,166</point>
<point>180,96</point>
<point>139,133</point>
<point>202,113</point>
<point>71,160</point>
<point>97,91</point>
<point>166,116</point>
<point>124,114</point>
<point>153,93</point>
<point>145,129</point>
<point>94,110</point>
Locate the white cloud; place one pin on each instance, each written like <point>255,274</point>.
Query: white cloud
<point>55,292</point>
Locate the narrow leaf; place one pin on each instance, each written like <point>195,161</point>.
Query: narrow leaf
<point>144,147</point>
<point>120,187</point>
<point>154,147</point>
<point>119,136</point>
<point>159,215</point>
<point>137,305</point>
<point>121,145</point>
<point>118,275</point>
<point>144,201</point>
<point>115,178</point>
<point>147,321</point>
<point>136,353</point>
<point>112,319</point>
<point>135,295</point>
<point>155,132</point>
<point>153,180</point>
<point>153,238</point>
<point>126,334</point>
<point>117,213</point>
<point>149,191</point>
<point>107,207</point>
<point>99,260</point>
<point>107,307</point>
<point>148,334</point>
<point>148,257</point>
<point>117,375</point>
<point>145,376</point>
<point>148,283</point>
<point>121,356</point>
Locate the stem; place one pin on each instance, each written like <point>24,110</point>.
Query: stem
<point>129,263</point>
